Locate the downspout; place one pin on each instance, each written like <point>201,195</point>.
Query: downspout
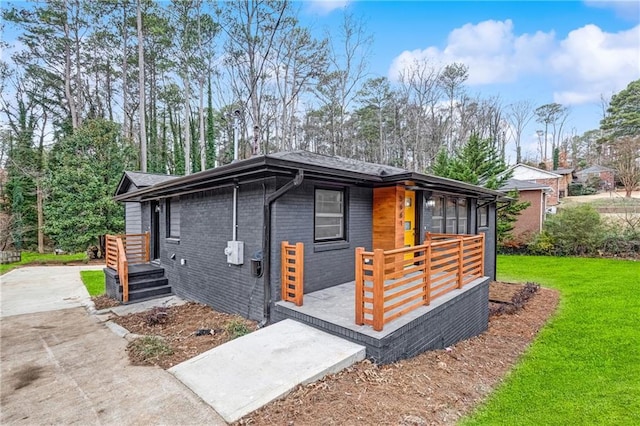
<point>266,242</point>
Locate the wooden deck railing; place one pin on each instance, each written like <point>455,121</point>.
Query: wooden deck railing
<point>124,250</point>
<point>292,272</point>
<point>392,283</point>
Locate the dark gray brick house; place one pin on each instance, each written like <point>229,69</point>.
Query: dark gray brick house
<point>216,236</point>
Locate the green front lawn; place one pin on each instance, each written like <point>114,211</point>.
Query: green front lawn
<point>93,281</point>
<point>584,366</point>
<point>35,258</point>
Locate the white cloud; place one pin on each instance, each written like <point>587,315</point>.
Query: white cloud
<point>587,63</point>
<point>624,8</point>
<point>491,50</point>
<point>325,7</point>
<point>590,62</point>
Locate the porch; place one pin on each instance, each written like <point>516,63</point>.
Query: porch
<point>129,275</point>
<point>404,301</point>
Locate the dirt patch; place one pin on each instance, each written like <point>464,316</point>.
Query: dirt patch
<point>186,330</point>
<point>27,375</point>
<point>104,302</point>
<point>436,387</point>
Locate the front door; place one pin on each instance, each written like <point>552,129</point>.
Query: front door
<point>155,230</point>
<point>409,220</point>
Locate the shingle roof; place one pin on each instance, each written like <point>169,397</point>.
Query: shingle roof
<point>314,166</point>
<point>523,185</point>
<point>310,158</point>
<point>564,171</point>
<point>596,169</point>
<point>141,179</point>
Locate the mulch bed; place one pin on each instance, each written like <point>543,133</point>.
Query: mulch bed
<point>104,302</point>
<point>437,387</point>
<point>179,330</point>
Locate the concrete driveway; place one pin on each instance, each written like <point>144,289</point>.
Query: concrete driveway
<point>60,366</point>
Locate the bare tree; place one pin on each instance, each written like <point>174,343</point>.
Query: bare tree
<point>348,69</point>
<point>626,162</point>
<point>519,114</point>
<point>451,80</point>
<point>251,27</point>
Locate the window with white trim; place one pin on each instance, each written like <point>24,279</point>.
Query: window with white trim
<point>329,223</point>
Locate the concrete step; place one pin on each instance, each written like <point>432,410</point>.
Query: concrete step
<point>246,373</point>
<point>148,293</point>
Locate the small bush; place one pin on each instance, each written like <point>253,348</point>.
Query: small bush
<point>518,301</point>
<point>148,348</point>
<point>542,244</point>
<point>236,328</point>
<point>157,315</point>
<point>576,230</point>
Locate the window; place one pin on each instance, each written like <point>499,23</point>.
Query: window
<point>437,218</point>
<point>483,217</point>
<point>462,215</point>
<point>449,215</point>
<point>329,215</point>
<point>173,217</point>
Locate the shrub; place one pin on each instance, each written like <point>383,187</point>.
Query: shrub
<point>148,348</point>
<point>157,315</point>
<point>236,327</point>
<point>542,244</point>
<point>576,230</point>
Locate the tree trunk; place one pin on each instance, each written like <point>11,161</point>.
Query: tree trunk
<point>141,110</point>
<point>203,148</point>
<point>67,75</point>
<point>187,127</point>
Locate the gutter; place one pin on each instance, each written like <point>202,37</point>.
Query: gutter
<point>266,242</point>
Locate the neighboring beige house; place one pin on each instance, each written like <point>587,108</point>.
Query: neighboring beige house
<point>605,174</point>
<point>557,182</point>
<point>530,219</point>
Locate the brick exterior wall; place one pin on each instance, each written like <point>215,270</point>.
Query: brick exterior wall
<point>205,228</point>
<point>530,219</point>
<point>325,264</point>
<point>554,183</point>
<point>461,317</point>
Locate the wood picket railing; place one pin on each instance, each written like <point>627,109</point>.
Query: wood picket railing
<point>124,250</point>
<point>392,283</point>
<point>292,272</point>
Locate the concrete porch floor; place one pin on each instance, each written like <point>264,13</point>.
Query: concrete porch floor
<point>337,305</point>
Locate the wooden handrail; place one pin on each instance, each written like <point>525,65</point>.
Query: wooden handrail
<point>390,284</point>
<point>292,272</point>
<point>123,269</point>
<point>123,250</point>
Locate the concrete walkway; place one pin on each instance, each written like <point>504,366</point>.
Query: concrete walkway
<point>60,366</point>
<point>243,375</point>
<point>43,288</point>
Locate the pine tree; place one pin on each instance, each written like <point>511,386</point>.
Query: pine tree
<point>85,169</point>
<point>478,162</point>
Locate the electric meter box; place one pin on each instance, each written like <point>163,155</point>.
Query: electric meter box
<point>235,252</point>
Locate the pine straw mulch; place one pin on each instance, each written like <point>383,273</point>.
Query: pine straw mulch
<point>104,302</point>
<point>177,329</point>
<point>436,387</point>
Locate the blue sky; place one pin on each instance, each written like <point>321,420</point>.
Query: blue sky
<point>570,52</point>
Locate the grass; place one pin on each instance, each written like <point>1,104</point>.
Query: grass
<point>148,348</point>
<point>34,258</point>
<point>584,366</point>
<point>93,281</point>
